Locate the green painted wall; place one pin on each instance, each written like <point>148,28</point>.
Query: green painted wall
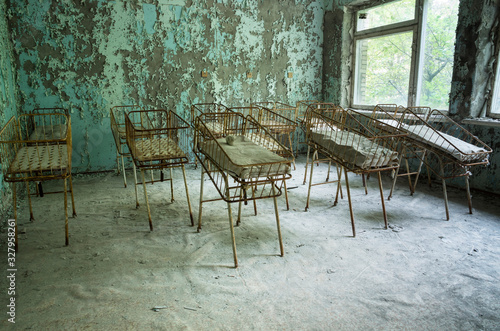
<point>91,55</point>
<point>8,92</point>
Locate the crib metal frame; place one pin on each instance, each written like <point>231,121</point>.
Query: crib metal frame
<point>37,160</point>
<point>157,140</point>
<point>117,119</point>
<point>342,123</point>
<point>438,162</point>
<point>267,180</point>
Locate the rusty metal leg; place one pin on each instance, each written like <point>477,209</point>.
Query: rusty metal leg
<point>349,200</point>
<point>364,183</point>
<point>123,171</point>
<point>66,211</point>
<point>445,194</point>
<point>118,170</point>
<point>146,198</point>
<point>310,180</point>
<point>32,218</point>
<point>307,163</point>
<point>382,198</point>
<point>469,199</point>
<point>72,195</point>
<point>231,225</point>
<point>239,207</point>
<point>291,149</point>
<point>201,199</point>
<point>135,186</point>
<point>282,251</point>
<point>187,194</point>
<point>172,183</point>
<point>286,194</point>
<point>328,173</point>
<point>254,200</point>
<point>14,201</point>
<point>339,187</point>
<point>418,172</point>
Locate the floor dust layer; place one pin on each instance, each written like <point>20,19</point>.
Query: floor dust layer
<point>422,273</point>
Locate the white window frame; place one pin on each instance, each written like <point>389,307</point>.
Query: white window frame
<point>495,113</point>
<point>416,26</point>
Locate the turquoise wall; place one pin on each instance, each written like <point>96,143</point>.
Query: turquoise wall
<point>91,55</point>
<point>8,91</point>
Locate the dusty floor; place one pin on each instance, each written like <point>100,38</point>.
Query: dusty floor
<point>423,273</point>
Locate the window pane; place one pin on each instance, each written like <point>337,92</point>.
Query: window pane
<point>495,103</point>
<point>390,13</point>
<point>383,69</point>
<point>439,39</point>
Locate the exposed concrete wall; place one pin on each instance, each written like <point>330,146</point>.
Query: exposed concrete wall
<point>8,93</point>
<point>91,55</point>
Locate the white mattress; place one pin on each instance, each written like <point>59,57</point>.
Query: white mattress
<point>354,148</point>
<point>457,148</point>
<point>245,159</point>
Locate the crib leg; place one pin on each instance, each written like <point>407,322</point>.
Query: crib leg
<point>445,194</point>
<point>382,198</point>
<point>14,201</point>
<point>349,200</point>
<point>231,226</point>
<point>187,193</point>
<point>364,183</point>
<point>418,172</point>
<point>291,149</point>
<point>239,207</point>
<point>254,200</point>
<point>117,162</point>
<point>123,170</point>
<point>307,163</point>
<point>286,194</point>
<point>339,187</point>
<point>146,198</point>
<point>135,186</point>
<point>172,183</point>
<point>310,180</point>
<point>66,211</point>
<point>32,218</point>
<point>282,251</point>
<point>328,173</point>
<point>201,199</point>
<point>72,195</point>
<point>469,199</point>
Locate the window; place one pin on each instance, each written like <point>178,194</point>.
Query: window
<point>495,101</point>
<point>404,53</point>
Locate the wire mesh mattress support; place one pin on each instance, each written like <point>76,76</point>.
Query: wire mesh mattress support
<point>157,140</point>
<point>117,116</point>
<point>353,141</point>
<point>450,150</point>
<point>240,165</point>
<point>35,148</point>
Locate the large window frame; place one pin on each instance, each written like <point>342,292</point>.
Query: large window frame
<point>493,111</point>
<point>417,27</point>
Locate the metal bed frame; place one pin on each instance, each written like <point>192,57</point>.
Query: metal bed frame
<point>354,142</point>
<point>37,147</point>
<point>118,115</point>
<point>263,175</point>
<point>450,151</point>
<point>157,140</point>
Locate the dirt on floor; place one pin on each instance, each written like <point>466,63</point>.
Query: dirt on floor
<point>422,273</point>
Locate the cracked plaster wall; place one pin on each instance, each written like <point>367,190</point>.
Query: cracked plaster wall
<point>8,93</point>
<point>90,55</point>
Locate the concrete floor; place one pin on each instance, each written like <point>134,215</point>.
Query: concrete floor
<point>423,273</point>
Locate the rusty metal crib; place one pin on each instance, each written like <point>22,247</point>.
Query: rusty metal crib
<point>37,147</point>
<point>157,140</point>
<point>247,153</point>
<point>353,141</point>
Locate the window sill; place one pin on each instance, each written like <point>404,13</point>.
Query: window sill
<point>485,121</point>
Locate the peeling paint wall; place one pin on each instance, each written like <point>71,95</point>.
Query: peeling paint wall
<point>8,92</point>
<point>90,55</point>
